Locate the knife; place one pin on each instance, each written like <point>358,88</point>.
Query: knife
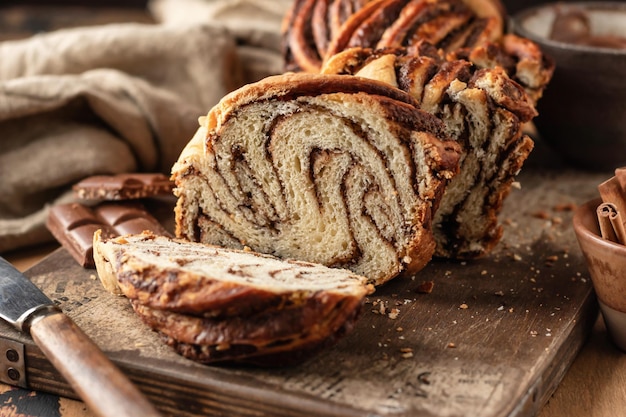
<point>96,380</point>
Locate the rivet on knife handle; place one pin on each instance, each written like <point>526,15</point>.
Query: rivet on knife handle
<point>98,382</point>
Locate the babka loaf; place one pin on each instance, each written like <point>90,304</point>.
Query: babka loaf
<point>315,30</point>
<point>336,170</point>
<point>213,304</point>
<point>483,109</point>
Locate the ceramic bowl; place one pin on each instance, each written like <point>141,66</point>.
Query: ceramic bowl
<point>582,114</point>
<point>606,262</point>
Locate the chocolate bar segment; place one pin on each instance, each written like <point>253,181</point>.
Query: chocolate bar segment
<point>127,219</point>
<point>74,224</point>
<point>128,186</point>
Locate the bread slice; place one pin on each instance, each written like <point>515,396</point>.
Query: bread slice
<point>483,109</point>
<point>290,334</point>
<point>181,276</point>
<point>335,170</point>
<point>213,304</point>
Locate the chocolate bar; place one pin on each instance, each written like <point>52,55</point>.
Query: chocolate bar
<point>123,186</point>
<point>74,224</point>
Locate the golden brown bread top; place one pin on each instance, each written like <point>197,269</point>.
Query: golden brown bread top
<point>314,30</point>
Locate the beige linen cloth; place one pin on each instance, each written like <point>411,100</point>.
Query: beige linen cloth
<point>114,98</point>
<point>255,24</point>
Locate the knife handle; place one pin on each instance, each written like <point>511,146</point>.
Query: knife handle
<point>98,382</point>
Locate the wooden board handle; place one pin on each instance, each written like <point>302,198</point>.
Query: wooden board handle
<point>98,382</point>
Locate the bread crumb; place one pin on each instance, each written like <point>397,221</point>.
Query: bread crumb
<point>550,260</point>
<point>564,207</point>
<point>451,345</point>
<point>541,214</point>
<point>425,287</point>
<point>393,314</point>
<point>406,352</point>
<point>463,306</point>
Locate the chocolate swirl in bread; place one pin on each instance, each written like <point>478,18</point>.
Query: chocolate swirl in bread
<point>483,109</point>
<point>341,171</point>
<point>314,30</point>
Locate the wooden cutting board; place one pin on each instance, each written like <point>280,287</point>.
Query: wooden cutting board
<point>493,338</point>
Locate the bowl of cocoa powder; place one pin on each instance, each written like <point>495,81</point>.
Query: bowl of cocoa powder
<point>582,114</point>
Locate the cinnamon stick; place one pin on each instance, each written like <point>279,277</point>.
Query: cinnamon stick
<point>611,223</point>
<point>620,174</point>
<point>612,192</point>
<point>603,212</point>
<point>618,225</point>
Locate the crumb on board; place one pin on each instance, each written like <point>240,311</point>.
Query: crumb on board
<point>425,287</point>
<point>564,207</point>
<point>406,352</point>
<point>393,314</point>
<point>541,214</point>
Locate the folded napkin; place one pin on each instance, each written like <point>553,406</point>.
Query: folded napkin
<point>100,100</point>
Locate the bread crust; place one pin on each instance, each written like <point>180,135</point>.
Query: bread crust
<point>318,317</point>
<point>311,37</point>
<point>282,353</point>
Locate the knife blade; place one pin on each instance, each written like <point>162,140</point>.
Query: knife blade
<point>92,375</point>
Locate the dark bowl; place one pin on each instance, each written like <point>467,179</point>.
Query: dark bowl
<point>514,6</point>
<point>582,114</point>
